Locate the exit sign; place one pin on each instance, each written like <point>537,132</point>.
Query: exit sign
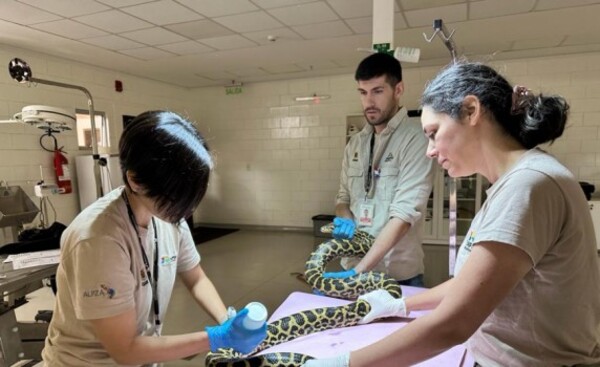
<point>383,47</point>
<point>234,89</point>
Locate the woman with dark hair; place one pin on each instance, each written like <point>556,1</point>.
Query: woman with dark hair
<point>121,255</point>
<point>527,286</point>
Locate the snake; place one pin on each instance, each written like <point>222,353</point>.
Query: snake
<point>319,319</point>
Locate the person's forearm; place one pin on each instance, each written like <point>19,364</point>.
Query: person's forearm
<point>343,210</point>
<point>205,293</point>
<point>420,340</point>
<point>151,349</point>
<point>391,233</point>
<point>429,299</point>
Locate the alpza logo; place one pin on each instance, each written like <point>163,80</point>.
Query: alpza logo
<point>166,260</point>
<point>355,157</point>
<point>102,291</point>
<point>389,157</point>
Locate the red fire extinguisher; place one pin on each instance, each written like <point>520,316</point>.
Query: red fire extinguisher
<point>63,174</point>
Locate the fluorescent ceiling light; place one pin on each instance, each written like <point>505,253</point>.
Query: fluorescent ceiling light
<point>315,97</point>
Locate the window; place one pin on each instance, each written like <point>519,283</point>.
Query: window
<point>84,129</point>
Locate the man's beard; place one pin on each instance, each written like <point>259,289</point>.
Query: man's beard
<point>384,117</point>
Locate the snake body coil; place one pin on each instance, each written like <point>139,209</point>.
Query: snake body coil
<point>318,319</point>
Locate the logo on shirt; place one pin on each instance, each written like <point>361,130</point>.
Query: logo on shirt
<point>470,241</point>
<point>166,260</point>
<point>355,158</point>
<point>102,291</point>
<point>389,157</point>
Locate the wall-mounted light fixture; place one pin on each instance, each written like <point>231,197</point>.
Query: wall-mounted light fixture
<point>314,98</point>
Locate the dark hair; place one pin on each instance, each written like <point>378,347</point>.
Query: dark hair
<point>541,119</point>
<point>379,64</point>
<point>168,157</point>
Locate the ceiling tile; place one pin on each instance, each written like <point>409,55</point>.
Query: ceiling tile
<point>284,68</point>
<point>489,48</point>
<point>425,4</point>
<point>246,72</point>
<point>186,48</point>
<point>228,42</point>
<point>249,22</point>
<point>281,35</point>
<point>69,29</point>
<point>154,36</point>
<point>113,21</point>
<point>554,4</point>
<point>580,39</point>
<point>352,8</point>
<point>24,14</point>
<point>526,44</point>
<point>112,42</point>
<point>217,75</point>
<point>147,53</point>
<point>123,3</point>
<point>399,22</point>
<point>499,8</point>
<point>323,30</point>
<point>304,14</point>
<point>269,4</point>
<point>361,25</point>
<point>425,17</point>
<point>68,8</point>
<point>163,12</point>
<point>318,65</point>
<point>217,8</point>
<point>198,29</point>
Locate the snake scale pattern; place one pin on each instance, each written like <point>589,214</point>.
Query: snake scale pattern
<point>318,319</point>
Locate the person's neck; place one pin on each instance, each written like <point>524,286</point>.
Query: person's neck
<point>141,214</point>
<point>379,128</point>
<point>500,157</point>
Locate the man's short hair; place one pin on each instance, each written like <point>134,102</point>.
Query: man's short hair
<point>379,64</point>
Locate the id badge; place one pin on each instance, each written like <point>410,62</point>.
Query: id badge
<point>366,215</point>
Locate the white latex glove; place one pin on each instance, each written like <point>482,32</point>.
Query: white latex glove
<point>343,360</point>
<point>383,305</point>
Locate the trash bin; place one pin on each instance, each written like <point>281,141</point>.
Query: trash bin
<point>319,221</point>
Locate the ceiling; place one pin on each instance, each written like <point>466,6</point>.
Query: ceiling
<point>195,43</point>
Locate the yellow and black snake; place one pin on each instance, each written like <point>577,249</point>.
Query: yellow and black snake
<point>318,319</point>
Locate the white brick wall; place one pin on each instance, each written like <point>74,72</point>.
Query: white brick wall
<point>278,160</point>
<point>20,152</point>
<point>284,177</point>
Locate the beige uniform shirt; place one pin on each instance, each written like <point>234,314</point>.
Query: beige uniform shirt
<point>552,317</point>
<point>401,184</point>
<point>101,274</point>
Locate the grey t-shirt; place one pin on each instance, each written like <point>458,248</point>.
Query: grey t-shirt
<point>102,274</point>
<point>552,317</point>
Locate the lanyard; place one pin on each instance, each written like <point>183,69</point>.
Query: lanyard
<point>153,282</point>
<point>369,175</point>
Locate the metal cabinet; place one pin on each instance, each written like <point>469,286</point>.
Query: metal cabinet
<point>470,194</point>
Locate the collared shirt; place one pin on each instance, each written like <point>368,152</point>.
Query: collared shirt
<point>402,182</point>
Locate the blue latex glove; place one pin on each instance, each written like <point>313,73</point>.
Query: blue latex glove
<point>343,228</point>
<point>233,334</point>
<point>340,274</point>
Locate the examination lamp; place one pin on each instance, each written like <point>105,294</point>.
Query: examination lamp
<point>20,71</point>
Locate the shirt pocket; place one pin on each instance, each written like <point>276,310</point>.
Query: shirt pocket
<point>355,180</point>
<point>388,181</point>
